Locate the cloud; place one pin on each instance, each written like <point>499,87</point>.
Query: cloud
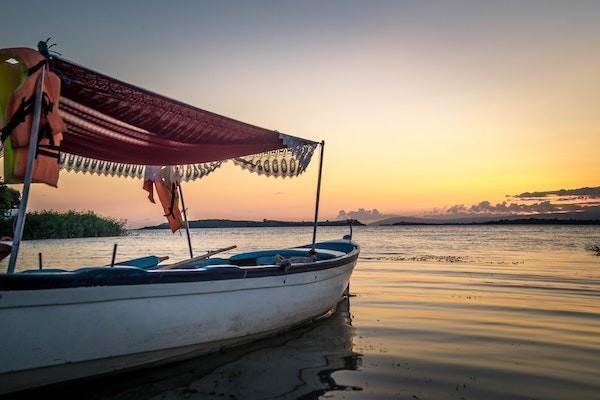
<point>527,203</point>
<point>485,207</point>
<point>505,208</point>
<point>457,209</point>
<point>580,193</point>
<point>363,215</point>
<point>551,201</point>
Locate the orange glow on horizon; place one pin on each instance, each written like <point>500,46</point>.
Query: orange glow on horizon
<point>454,105</point>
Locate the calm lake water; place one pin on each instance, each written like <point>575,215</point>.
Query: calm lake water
<point>473,312</point>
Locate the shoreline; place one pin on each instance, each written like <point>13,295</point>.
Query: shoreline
<point>227,223</point>
<point>216,224</point>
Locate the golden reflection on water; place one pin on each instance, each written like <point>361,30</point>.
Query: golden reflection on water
<point>480,331</point>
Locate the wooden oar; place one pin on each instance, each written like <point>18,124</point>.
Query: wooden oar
<point>193,260</point>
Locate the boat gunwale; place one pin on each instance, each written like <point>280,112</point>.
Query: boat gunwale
<point>124,276</point>
<point>120,297</point>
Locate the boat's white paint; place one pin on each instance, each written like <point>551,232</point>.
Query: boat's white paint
<point>53,335</point>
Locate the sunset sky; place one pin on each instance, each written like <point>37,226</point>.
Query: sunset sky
<point>423,105</point>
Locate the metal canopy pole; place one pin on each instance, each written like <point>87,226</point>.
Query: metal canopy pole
<point>187,224</point>
<point>314,238</point>
<point>33,141</point>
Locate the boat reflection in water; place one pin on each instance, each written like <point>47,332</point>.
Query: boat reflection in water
<point>298,364</point>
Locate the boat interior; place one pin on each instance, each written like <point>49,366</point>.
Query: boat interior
<point>149,270</point>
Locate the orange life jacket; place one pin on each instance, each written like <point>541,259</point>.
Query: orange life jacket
<point>165,182</point>
<point>169,199</point>
<point>19,117</point>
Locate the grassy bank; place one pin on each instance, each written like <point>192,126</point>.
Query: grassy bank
<point>71,224</point>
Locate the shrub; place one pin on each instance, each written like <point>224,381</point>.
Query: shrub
<point>71,224</point>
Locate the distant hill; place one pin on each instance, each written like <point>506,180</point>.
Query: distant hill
<point>405,220</point>
<point>591,215</point>
<point>227,223</point>
<point>520,221</point>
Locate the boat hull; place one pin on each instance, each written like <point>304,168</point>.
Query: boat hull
<point>53,335</point>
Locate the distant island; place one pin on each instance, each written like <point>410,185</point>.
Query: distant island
<point>398,221</point>
<point>227,223</point>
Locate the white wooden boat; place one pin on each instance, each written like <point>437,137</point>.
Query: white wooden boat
<point>58,325</point>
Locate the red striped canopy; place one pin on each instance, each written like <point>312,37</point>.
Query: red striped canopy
<point>111,120</point>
